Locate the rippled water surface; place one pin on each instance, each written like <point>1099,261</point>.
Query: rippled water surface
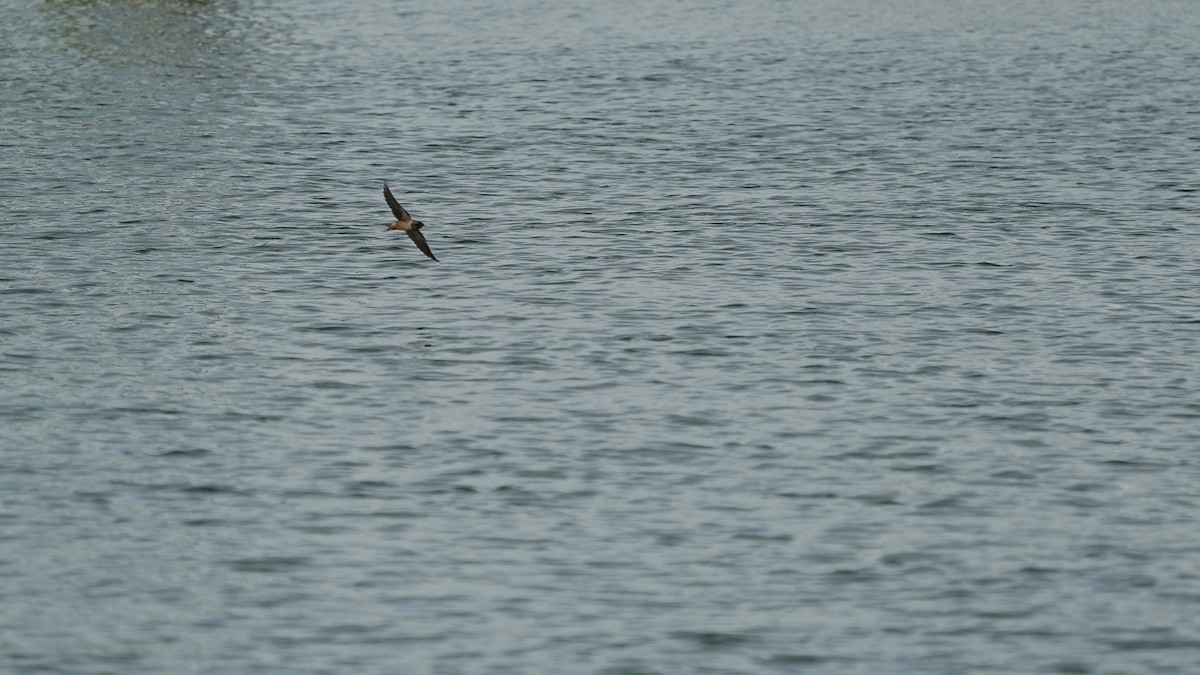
<point>768,336</point>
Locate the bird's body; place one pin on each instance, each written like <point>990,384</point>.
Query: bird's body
<point>405,223</point>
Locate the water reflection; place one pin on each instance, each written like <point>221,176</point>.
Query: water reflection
<point>171,33</point>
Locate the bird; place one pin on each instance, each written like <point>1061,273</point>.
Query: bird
<point>405,222</point>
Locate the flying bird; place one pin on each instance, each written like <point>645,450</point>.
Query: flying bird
<point>405,222</point>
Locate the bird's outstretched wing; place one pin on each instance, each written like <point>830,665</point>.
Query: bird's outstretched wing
<point>419,240</point>
<point>397,210</point>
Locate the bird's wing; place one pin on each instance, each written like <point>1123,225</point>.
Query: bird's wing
<point>400,213</point>
<point>419,240</point>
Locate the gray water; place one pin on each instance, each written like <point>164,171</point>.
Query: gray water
<point>768,337</point>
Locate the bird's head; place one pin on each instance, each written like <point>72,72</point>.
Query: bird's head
<point>418,224</point>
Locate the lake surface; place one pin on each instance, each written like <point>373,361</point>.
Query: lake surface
<point>768,337</point>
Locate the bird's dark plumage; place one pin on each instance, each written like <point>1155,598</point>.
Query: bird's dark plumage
<point>397,210</point>
<point>405,222</point>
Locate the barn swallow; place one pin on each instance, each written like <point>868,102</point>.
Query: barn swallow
<point>405,222</point>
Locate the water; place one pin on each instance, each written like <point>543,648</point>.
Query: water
<point>829,337</point>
